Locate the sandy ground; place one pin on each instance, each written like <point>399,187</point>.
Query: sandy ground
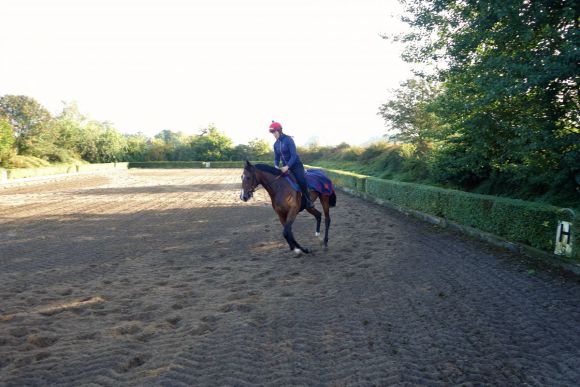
<point>163,277</point>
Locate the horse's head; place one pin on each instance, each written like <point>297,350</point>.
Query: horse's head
<point>249,181</point>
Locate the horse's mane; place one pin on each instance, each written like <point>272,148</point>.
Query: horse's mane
<point>269,169</point>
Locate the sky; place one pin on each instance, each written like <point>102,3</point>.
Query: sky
<point>319,67</point>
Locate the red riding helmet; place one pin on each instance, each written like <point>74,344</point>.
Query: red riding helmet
<point>275,127</point>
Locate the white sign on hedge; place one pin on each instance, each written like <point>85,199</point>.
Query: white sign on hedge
<point>563,239</point>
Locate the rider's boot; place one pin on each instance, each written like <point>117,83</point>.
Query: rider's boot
<point>306,195</point>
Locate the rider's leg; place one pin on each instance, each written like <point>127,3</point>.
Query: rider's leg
<point>298,172</point>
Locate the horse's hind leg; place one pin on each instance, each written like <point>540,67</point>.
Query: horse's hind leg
<point>326,208</point>
<point>316,214</point>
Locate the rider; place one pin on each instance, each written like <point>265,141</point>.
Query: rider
<point>285,151</point>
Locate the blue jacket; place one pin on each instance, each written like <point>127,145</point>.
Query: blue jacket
<point>285,151</point>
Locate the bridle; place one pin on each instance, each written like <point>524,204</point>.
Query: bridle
<point>255,184</point>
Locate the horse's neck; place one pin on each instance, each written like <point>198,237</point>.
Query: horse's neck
<point>267,181</point>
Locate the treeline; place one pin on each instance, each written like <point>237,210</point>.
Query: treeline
<point>493,108</point>
<point>31,136</point>
<point>494,105</point>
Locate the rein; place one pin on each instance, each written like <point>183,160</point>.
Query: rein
<point>281,175</point>
<point>257,186</point>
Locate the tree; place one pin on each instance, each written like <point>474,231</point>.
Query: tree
<point>176,145</point>
<point>28,119</point>
<point>111,145</point>
<point>100,142</point>
<point>212,145</point>
<point>6,141</point>
<point>137,145</point>
<point>407,114</point>
<point>69,127</point>
<point>86,142</point>
<point>256,149</point>
<point>259,148</point>
<point>509,84</point>
<point>157,150</point>
<point>242,152</point>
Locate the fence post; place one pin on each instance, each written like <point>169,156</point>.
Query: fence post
<point>567,237</point>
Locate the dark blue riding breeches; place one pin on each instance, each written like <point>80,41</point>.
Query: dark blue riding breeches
<point>298,172</point>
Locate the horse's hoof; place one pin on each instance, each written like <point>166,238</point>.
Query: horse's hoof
<point>297,252</point>
<point>306,251</point>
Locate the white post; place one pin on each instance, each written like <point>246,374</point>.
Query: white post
<point>564,239</point>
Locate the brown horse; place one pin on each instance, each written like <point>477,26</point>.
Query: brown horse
<point>286,201</point>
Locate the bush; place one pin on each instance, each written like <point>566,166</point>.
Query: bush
<point>518,221</point>
<point>21,173</point>
<point>19,161</point>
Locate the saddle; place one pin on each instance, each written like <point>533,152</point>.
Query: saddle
<point>316,181</point>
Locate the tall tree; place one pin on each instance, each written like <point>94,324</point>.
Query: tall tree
<point>69,127</point>
<point>6,141</point>
<point>137,145</point>
<point>175,144</point>
<point>111,145</point>
<point>259,148</point>
<point>510,74</point>
<point>407,114</point>
<point>212,145</point>
<point>28,118</point>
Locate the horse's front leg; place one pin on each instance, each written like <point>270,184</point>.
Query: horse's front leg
<point>287,231</point>
<point>298,250</point>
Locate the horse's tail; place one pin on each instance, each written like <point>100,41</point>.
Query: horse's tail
<point>332,200</point>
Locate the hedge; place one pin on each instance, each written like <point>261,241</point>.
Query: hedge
<point>517,221</point>
<point>166,164</point>
<point>227,164</point>
<point>346,179</point>
<point>101,167</point>
<point>21,173</point>
<point>189,164</point>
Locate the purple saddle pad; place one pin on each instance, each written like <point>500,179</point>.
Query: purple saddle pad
<point>316,180</point>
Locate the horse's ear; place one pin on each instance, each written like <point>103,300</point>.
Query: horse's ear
<point>247,164</point>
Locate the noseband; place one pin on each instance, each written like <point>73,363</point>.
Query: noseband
<point>255,184</point>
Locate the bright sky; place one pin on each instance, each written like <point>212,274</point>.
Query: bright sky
<point>319,67</point>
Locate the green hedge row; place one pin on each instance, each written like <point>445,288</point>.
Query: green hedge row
<point>228,164</point>
<point>101,167</point>
<point>188,164</point>
<point>166,164</point>
<point>347,179</point>
<point>517,221</point>
<point>21,173</point>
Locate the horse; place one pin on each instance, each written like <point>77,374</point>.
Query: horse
<point>286,200</point>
